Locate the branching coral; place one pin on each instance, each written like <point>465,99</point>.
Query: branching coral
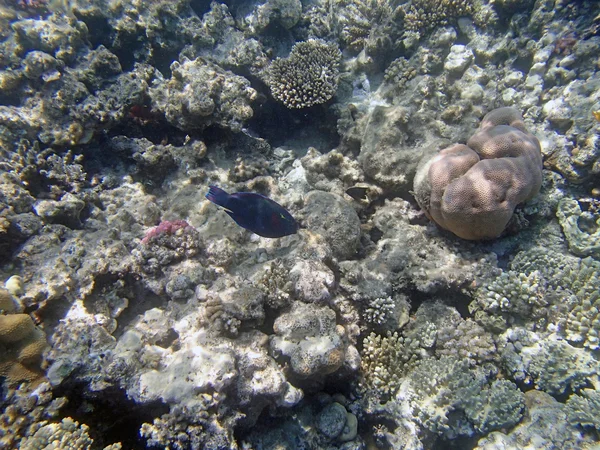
<point>584,409</point>
<point>360,19</point>
<point>583,322</point>
<point>558,367</point>
<point>450,400</point>
<point>66,434</point>
<point>308,76</point>
<point>25,410</point>
<point>384,362</point>
<point>423,15</point>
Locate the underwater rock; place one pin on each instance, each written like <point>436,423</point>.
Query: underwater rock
<point>200,93</point>
<point>335,219</point>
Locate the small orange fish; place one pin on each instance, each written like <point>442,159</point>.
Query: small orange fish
<point>596,115</point>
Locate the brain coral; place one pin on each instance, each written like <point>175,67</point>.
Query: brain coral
<point>472,190</point>
<point>21,347</point>
<point>308,76</point>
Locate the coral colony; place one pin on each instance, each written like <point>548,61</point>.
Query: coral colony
<point>414,257</point>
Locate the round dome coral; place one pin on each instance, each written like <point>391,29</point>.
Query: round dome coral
<point>472,190</point>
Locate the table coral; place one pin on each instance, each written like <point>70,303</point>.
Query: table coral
<point>308,76</point>
<point>472,190</point>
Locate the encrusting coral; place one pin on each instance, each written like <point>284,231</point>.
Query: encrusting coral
<point>581,228</point>
<point>308,76</point>
<point>472,190</point>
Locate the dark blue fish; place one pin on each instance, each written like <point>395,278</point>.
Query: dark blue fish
<point>255,212</point>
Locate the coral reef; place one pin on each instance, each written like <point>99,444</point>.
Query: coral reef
<point>369,327</point>
<point>583,409</point>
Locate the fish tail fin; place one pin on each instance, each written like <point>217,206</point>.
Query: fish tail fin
<point>217,195</point>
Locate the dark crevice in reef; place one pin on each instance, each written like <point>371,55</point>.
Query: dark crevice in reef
<point>277,124</point>
<point>111,416</point>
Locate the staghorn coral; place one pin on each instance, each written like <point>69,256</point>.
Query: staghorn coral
<point>424,15</point>
<point>472,190</point>
<point>581,228</point>
<point>308,76</point>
